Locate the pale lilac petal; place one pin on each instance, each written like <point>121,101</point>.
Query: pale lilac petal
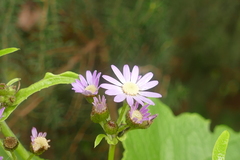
<point>130,100</point>
<point>1,111</point>
<point>135,74</point>
<point>119,98</point>
<point>94,75</point>
<point>34,132</point>
<point>109,86</point>
<point>126,73</point>
<point>112,80</point>
<point>150,118</point>
<point>89,77</point>
<point>77,86</point>
<point>145,79</point>
<point>118,74</point>
<point>138,99</point>
<point>149,85</point>
<point>147,100</point>
<point>144,109</point>
<point>83,80</point>
<point>44,134</point>
<point>97,79</point>
<point>113,92</point>
<point>150,94</point>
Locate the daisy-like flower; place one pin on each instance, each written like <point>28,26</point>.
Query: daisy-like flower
<point>1,113</point>
<point>39,143</point>
<point>131,86</point>
<point>140,118</point>
<point>88,86</point>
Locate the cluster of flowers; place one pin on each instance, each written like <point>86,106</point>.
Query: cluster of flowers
<point>131,87</point>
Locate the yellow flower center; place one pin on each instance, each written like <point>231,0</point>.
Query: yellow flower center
<point>137,115</point>
<point>130,88</point>
<point>40,142</point>
<point>91,88</point>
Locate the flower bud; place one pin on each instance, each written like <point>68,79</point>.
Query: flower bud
<point>111,127</point>
<point>7,93</point>
<point>10,143</point>
<point>99,110</point>
<point>99,117</point>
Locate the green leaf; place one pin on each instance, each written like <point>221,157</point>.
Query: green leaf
<point>111,140</point>
<point>48,81</point>
<point>7,51</point>
<point>98,139</point>
<point>122,138</point>
<point>183,137</point>
<point>220,147</point>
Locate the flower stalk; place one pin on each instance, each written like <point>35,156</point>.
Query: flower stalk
<point>111,152</point>
<point>122,113</point>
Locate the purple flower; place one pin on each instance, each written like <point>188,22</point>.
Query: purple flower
<point>139,116</point>
<point>1,158</point>
<point>39,143</point>
<point>99,104</point>
<point>131,86</point>
<point>88,86</point>
<point>1,113</point>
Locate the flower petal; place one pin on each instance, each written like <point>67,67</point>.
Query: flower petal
<point>110,86</point>
<point>130,100</point>
<point>149,85</point>
<point>96,83</point>
<point>147,100</point>
<point>34,132</point>
<point>1,111</point>
<point>113,92</point>
<point>135,74</point>
<point>145,79</point>
<point>89,77</point>
<point>138,99</point>
<point>119,98</point>
<point>83,81</point>
<point>126,73</point>
<point>118,74</point>
<point>151,94</point>
<point>112,80</point>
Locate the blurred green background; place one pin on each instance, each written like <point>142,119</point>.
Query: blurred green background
<point>191,46</point>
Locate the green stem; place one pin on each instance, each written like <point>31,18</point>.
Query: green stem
<point>111,152</point>
<point>7,132</point>
<point>13,156</point>
<point>30,157</point>
<point>123,113</point>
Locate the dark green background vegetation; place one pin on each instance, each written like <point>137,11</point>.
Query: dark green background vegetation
<point>192,47</point>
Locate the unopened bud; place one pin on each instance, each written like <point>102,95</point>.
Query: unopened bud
<point>111,127</point>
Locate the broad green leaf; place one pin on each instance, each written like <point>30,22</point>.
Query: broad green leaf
<point>48,81</point>
<point>183,137</point>
<point>220,147</point>
<point>7,51</point>
<point>98,139</point>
